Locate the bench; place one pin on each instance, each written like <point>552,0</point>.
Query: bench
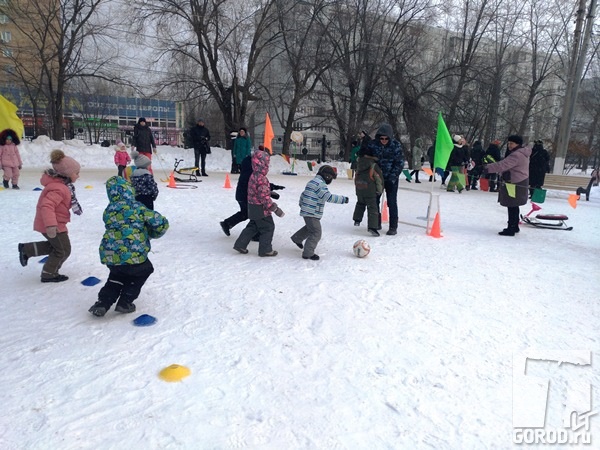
<point>568,183</point>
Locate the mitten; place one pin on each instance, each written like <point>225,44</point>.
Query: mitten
<point>51,232</point>
<point>274,195</point>
<point>154,150</point>
<point>20,167</point>
<point>276,187</point>
<point>279,212</point>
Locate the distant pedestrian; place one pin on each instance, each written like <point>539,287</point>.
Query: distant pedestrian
<point>200,137</point>
<point>539,166</point>
<point>242,147</point>
<point>143,139</point>
<point>10,158</point>
<point>122,158</point>
<point>417,159</point>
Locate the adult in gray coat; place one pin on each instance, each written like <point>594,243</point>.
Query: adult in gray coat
<point>514,169</point>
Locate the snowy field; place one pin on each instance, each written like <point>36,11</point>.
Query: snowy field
<point>409,348</point>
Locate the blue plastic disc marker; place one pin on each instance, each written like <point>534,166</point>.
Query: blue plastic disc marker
<point>43,260</point>
<point>90,281</point>
<point>144,320</point>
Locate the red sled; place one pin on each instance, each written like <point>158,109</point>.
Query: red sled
<point>549,221</point>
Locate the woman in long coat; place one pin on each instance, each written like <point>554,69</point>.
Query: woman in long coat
<point>515,171</point>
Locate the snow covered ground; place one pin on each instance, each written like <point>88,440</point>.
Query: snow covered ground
<point>411,347</point>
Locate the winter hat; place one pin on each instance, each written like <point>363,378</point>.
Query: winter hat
<point>64,165</point>
<point>140,161</point>
<point>327,173</point>
<point>457,138</point>
<point>200,120</point>
<point>141,119</point>
<point>516,139</point>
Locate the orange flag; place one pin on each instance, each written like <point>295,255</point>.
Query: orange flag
<point>427,170</point>
<point>573,200</point>
<point>269,135</point>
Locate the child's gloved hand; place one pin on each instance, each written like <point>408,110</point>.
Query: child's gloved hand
<point>51,232</point>
<point>279,212</point>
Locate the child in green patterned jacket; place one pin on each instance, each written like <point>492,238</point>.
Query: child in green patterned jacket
<point>125,246</point>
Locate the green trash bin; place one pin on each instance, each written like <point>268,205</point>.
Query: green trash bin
<point>539,195</point>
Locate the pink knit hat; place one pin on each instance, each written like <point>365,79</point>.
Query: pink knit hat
<point>64,165</point>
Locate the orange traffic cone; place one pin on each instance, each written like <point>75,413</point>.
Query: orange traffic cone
<point>435,228</point>
<point>227,182</point>
<point>172,180</point>
<point>385,218</point>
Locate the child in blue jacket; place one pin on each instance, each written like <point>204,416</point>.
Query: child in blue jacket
<point>124,247</point>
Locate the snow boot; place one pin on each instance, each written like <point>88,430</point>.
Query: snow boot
<point>99,309</point>
<point>313,257</point>
<point>225,228</point>
<point>23,258</point>
<point>125,307</point>
<point>5,184</point>
<point>373,232</point>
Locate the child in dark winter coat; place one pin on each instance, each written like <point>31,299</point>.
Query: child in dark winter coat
<point>312,203</point>
<point>52,216</point>
<point>124,247</point>
<point>369,185</point>
<point>122,158</point>
<point>146,189</point>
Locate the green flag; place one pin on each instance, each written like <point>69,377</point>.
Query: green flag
<point>443,144</point>
<point>510,188</point>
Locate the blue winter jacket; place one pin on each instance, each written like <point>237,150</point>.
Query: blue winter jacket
<point>129,226</point>
<point>390,155</point>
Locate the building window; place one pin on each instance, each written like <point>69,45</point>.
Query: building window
<point>5,36</point>
<point>3,2</point>
<point>7,52</point>
<point>3,17</point>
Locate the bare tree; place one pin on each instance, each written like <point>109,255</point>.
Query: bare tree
<point>58,41</point>
<point>221,41</point>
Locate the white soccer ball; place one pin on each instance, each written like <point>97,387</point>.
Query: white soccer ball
<point>361,248</point>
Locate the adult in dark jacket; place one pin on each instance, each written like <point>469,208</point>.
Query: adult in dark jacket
<point>538,166</point>
<point>515,171</point>
<point>200,137</point>
<point>143,139</point>
<point>456,161</point>
<point>492,155</point>
<point>477,154</point>
<point>241,195</point>
<point>390,156</point>
<point>431,158</point>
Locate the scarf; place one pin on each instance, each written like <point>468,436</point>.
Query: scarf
<point>75,206</point>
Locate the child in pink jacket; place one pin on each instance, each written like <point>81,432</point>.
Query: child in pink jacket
<point>122,158</point>
<point>52,215</point>
<point>10,159</point>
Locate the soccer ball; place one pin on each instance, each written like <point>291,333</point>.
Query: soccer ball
<point>361,248</point>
